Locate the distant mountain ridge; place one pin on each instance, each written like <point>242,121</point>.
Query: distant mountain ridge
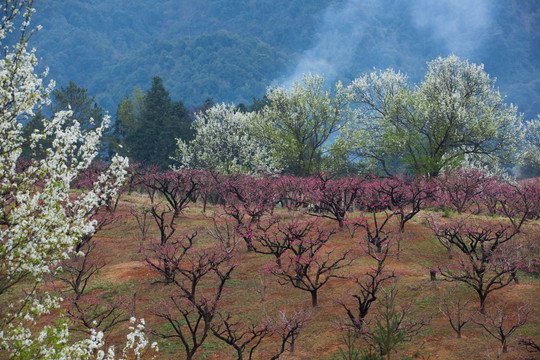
<point>232,50</point>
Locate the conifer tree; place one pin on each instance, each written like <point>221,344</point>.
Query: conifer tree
<point>152,138</point>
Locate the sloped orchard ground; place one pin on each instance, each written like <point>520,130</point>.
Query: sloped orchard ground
<point>126,273</point>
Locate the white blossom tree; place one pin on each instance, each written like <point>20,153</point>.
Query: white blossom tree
<point>456,110</point>
<point>299,122</point>
<point>41,218</point>
<point>224,141</point>
<point>531,151</point>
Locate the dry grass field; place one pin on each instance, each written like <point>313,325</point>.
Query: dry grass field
<point>126,274</point>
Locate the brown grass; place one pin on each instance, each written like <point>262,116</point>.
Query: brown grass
<point>321,338</point>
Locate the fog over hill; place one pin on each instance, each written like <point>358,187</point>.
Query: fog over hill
<point>232,50</point>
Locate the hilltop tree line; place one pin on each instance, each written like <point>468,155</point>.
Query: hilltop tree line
<point>232,50</point>
<point>380,122</point>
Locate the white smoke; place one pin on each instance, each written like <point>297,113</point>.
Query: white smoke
<point>461,25</point>
<point>341,33</point>
<point>456,26</point>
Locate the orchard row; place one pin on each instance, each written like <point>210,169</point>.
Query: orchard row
<point>280,216</point>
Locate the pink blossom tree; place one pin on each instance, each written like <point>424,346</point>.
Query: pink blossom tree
<point>404,196</point>
<point>307,264</point>
<point>244,339</point>
<point>287,327</point>
<point>191,309</point>
<point>454,309</point>
<point>294,191</point>
<point>501,324</point>
<point>271,237</point>
<point>248,195</point>
<point>179,189</point>
<point>529,343</point>
<point>459,189</point>
<point>367,288</point>
<point>519,202</point>
<point>334,198</point>
<point>488,257</point>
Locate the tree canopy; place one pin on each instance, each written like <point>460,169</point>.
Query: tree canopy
<point>455,111</point>
<point>298,122</point>
<point>148,125</point>
<point>225,140</point>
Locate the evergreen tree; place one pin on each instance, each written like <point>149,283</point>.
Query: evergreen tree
<point>85,109</point>
<point>128,119</point>
<point>178,125</point>
<point>145,140</point>
<point>151,132</point>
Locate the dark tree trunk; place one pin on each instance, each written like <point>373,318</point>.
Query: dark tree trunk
<point>314,298</point>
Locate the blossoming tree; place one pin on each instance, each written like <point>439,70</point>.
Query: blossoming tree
<point>455,111</point>
<point>224,140</point>
<point>41,219</point>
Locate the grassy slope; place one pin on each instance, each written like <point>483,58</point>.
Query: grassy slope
<point>320,340</point>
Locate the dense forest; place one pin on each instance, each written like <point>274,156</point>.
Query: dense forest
<point>232,50</point>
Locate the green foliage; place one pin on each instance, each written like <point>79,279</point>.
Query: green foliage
<point>206,48</point>
<point>128,115</point>
<point>448,212</point>
<point>297,123</point>
<point>85,110</point>
<point>147,125</point>
<point>337,160</point>
<point>223,65</point>
<point>455,114</point>
<point>386,333</point>
<point>392,327</point>
<point>350,352</point>
<point>370,355</point>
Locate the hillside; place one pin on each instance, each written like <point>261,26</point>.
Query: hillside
<point>245,253</point>
<point>232,50</point>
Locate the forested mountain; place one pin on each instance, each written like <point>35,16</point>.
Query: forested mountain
<point>232,50</point>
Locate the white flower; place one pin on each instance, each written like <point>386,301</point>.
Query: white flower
<point>224,141</point>
<point>41,222</point>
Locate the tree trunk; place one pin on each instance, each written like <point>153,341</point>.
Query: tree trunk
<point>400,236</point>
<point>314,298</point>
<point>482,304</point>
<point>239,353</point>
